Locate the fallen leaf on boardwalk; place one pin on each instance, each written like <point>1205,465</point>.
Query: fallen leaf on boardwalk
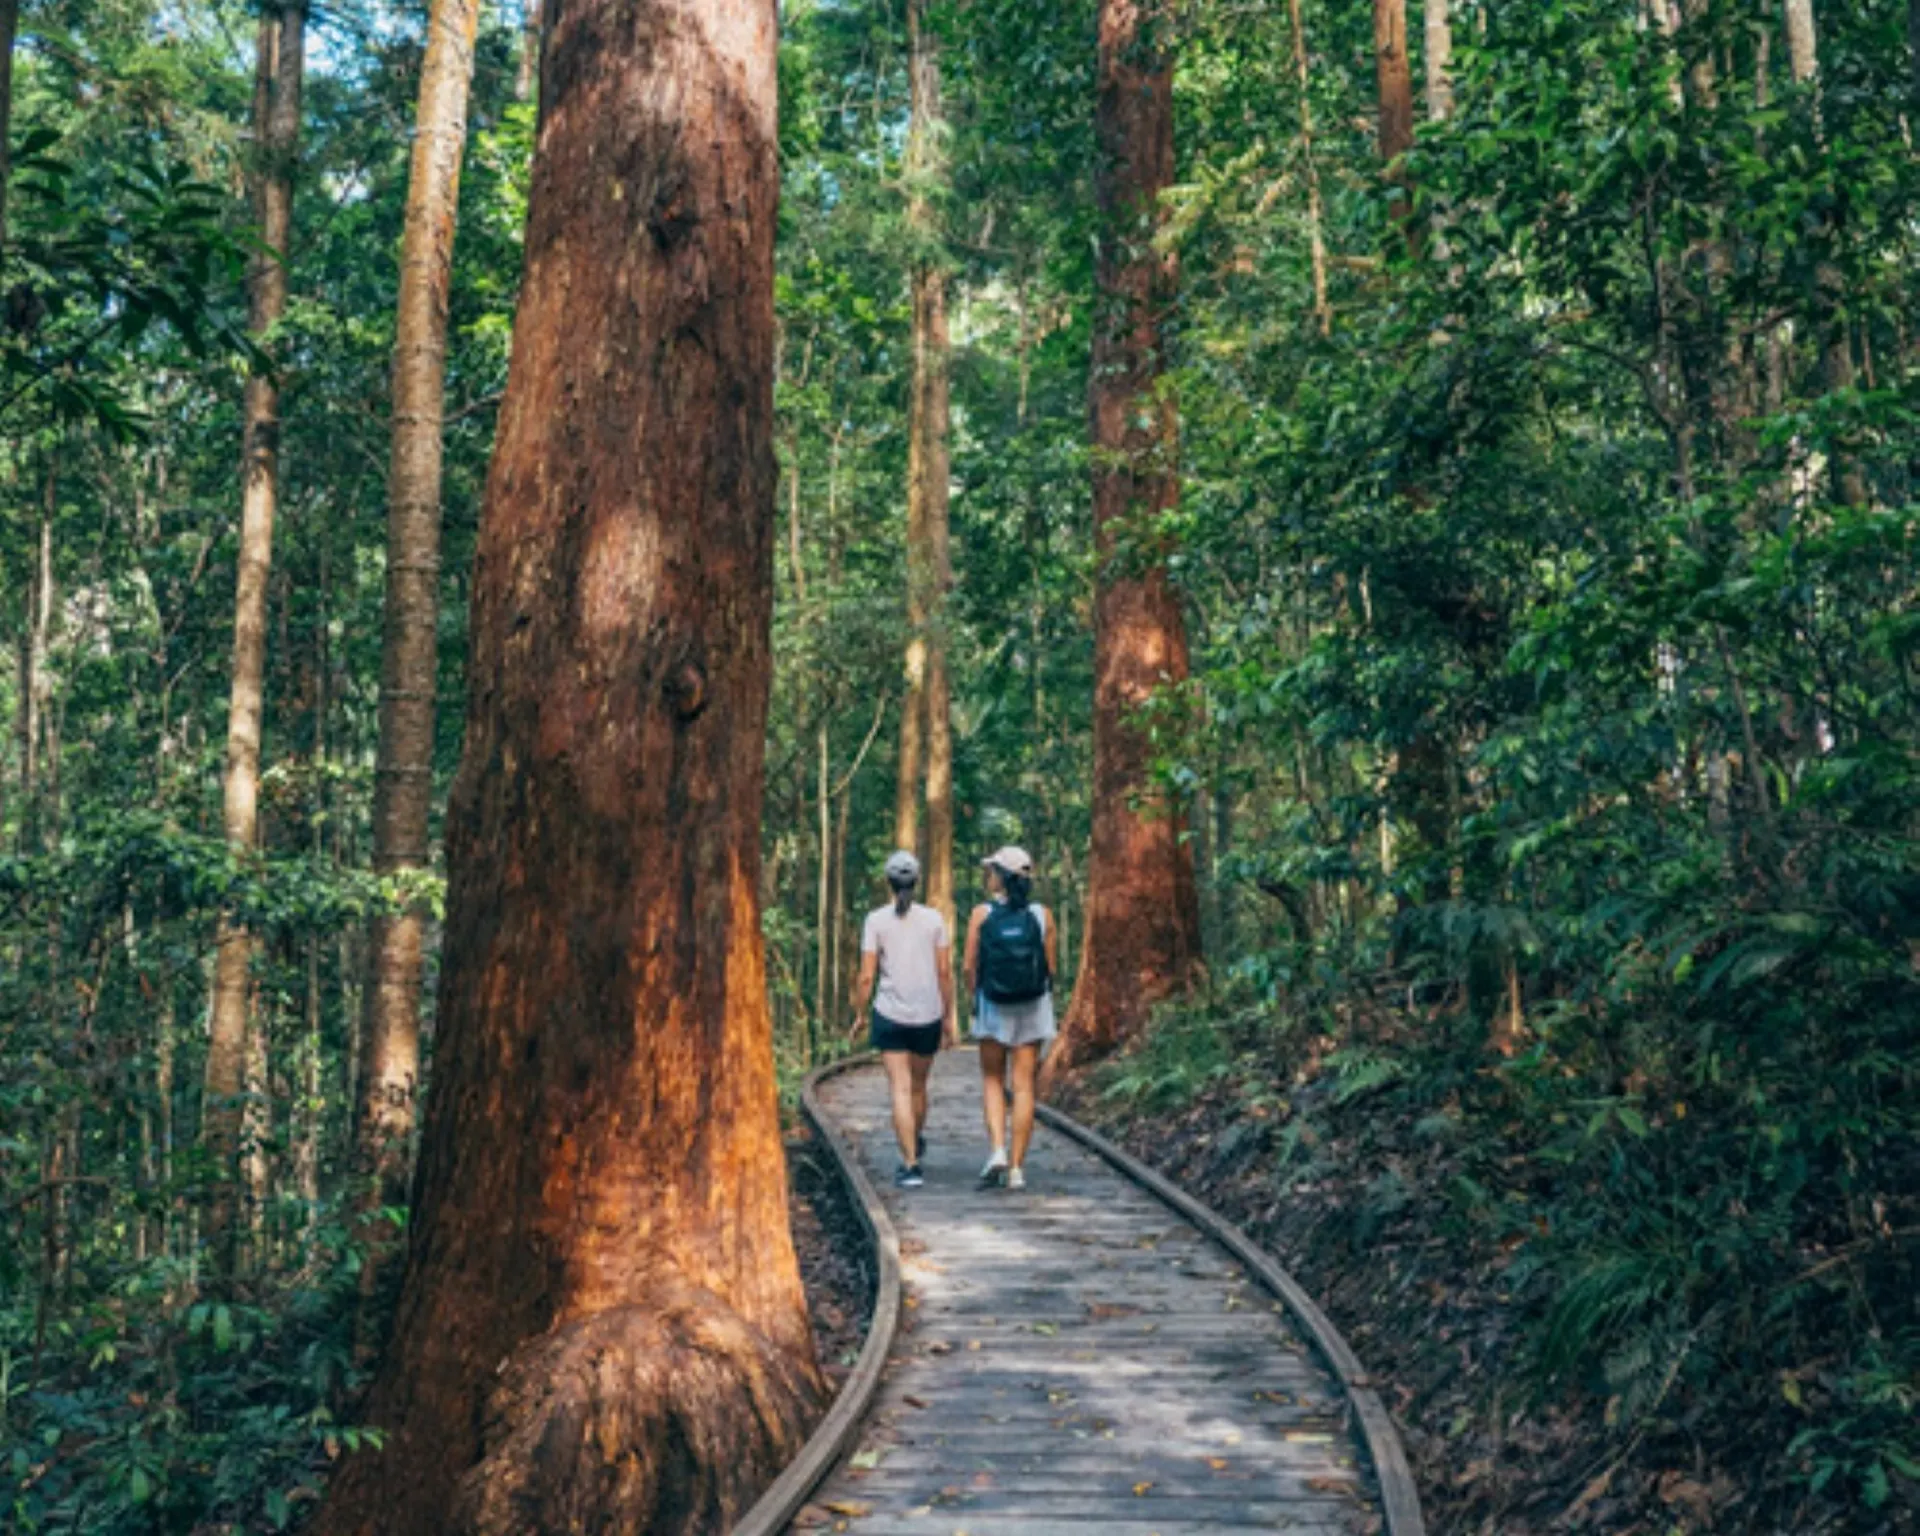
<point>939,1347</point>
<point>1258,1397</point>
<point>864,1459</point>
<point>1308,1437</point>
<point>1218,1463</point>
<point>973,1343</point>
<point>983,1479</point>
<point>1140,1490</point>
<point>853,1509</point>
<point>811,1517</point>
<point>913,1402</point>
<point>1330,1485</point>
<point>1046,1328</point>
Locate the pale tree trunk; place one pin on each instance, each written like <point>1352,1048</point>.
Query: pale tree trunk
<point>1830,322</point>
<point>601,1326</point>
<point>1316,221</point>
<point>1143,905</point>
<point>409,663</point>
<point>36,681</point>
<point>526,74</point>
<point>276,119</point>
<point>1439,59</point>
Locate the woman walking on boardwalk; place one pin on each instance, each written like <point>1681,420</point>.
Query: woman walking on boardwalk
<point>1010,959</point>
<point>905,949</point>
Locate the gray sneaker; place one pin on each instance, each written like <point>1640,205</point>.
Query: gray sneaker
<point>909,1177</point>
<point>1016,1178</point>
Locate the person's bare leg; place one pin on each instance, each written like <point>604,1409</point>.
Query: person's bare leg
<point>1026,1062</point>
<point>920,1066</point>
<point>900,1082</point>
<point>993,1092</point>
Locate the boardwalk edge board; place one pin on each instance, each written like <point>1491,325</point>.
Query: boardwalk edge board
<point>775,1508</point>
<point>1399,1497</point>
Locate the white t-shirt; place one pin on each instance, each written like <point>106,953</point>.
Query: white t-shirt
<point>909,950</point>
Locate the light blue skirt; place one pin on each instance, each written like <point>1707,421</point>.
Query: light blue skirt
<point>1013,1023</point>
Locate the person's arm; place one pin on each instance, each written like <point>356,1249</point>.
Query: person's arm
<point>950,1021</point>
<point>863,988</point>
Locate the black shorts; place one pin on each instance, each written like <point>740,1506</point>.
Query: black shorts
<point>921,1039</point>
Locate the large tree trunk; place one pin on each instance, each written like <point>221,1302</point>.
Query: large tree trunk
<point>403,776</point>
<point>928,560</point>
<point>601,1326</point>
<point>276,120</point>
<point>1143,907</point>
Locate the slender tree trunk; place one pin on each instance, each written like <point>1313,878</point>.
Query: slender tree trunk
<point>601,1325</point>
<point>1394,73</point>
<point>9,27</point>
<point>1439,58</point>
<point>1316,221</point>
<point>1143,905</point>
<point>823,895</point>
<point>526,74</point>
<point>276,118</point>
<point>929,563</point>
<point>36,686</point>
<point>409,665</point>
<point>1830,321</point>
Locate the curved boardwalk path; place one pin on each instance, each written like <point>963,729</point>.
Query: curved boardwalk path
<point>1077,1360</point>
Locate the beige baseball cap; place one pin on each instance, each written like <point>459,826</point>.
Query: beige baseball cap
<point>1013,860</point>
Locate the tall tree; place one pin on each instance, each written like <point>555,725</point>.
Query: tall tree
<point>1316,218</point>
<point>601,1324</point>
<point>1143,907</point>
<point>403,776</point>
<point>1394,78</point>
<point>279,61</point>
<point>1829,283</point>
<point>929,572</point>
<point>9,26</point>
<point>1438,59</point>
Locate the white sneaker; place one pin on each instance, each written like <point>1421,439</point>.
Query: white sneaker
<point>1016,1179</point>
<point>996,1168</point>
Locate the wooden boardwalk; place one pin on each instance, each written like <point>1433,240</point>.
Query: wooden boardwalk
<point>1077,1359</point>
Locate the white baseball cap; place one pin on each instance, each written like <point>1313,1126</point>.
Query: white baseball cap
<point>1012,860</point>
<point>902,865</point>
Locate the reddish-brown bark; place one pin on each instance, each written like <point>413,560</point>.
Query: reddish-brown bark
<point>1143,909</point>
<point>403,775</point>
<point>1394,75</point>
<point>276,118</point>
<point>929,565</point>
<point>601,1326</point>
